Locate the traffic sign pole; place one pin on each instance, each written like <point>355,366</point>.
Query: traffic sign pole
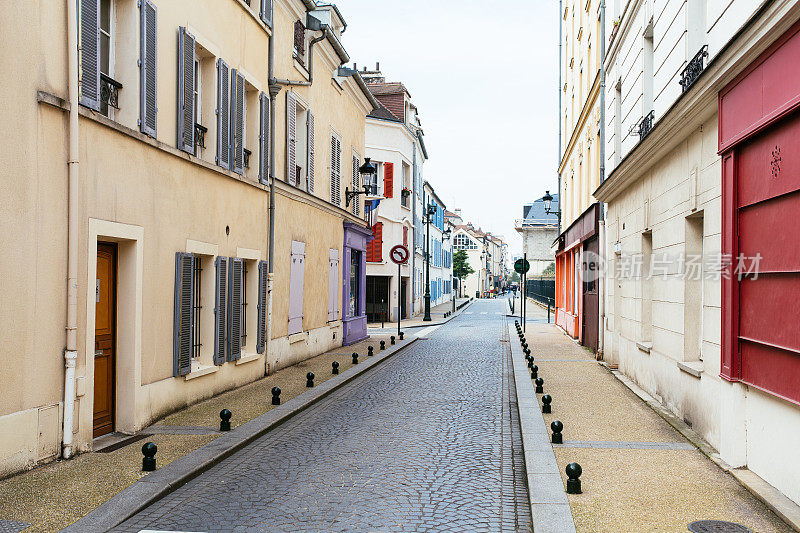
<point>524,287</point>
<point>399,303</point>
<point>399,254</point>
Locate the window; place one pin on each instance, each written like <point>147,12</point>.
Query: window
<point>244,304</point>
<point>646,283</point>
<point>463,242</point>
<point>336,170</point>
<point>405,193</point>
<point>299,48</point>
<point>197,307</point>
<point>693,288</point>
<point>106,49</point>
<point>300,147</point>
<point>355,184</point>
<point>355,283</point>
<point>252,131</point>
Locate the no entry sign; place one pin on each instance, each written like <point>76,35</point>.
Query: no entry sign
<point>399,254</point>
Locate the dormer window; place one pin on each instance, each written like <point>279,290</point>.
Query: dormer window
<point>299,41</point>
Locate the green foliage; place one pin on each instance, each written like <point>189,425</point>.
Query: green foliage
<point>514,277</point>
<point>461,266</point>
<point>550,270</point>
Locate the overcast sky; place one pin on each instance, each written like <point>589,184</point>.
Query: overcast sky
<point>484,76</point>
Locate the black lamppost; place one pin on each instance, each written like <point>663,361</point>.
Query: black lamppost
<point>548,202</point>
<point>367,171</point>
<point>430,210</point>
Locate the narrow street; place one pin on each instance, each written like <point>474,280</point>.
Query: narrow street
<point>429,440</point>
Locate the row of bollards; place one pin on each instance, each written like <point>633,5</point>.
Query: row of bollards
<point>573,470</point>
<point>149,449</point>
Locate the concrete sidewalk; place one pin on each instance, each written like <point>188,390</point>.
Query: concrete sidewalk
<point>53,496</point>
<point>639,474</point>
<point>437,317</point>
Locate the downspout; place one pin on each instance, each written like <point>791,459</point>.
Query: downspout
<point>310,63</point>
<point>558,112</point>
<point>274,90</point>
<point>71,352</point>
<point>414,246</point>
<point>602,152</point>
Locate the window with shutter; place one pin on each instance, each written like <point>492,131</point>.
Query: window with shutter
<point>336,170</point>
<point>237,121</point>
<point>355,184</point>
<point>266,12</point>
<point>311,152</point>
<point>405,235</point>
<point>235,315</point>
<point>296,279</point>
<point>186,64</point>
<point>333,284</point>
<point>263,139</point>
<point>223,114</point>
<point>220,310</point>
<point>90,54</point>
<point>263,275</point>
<point>388,180</point>
<point>375,246</point>
<point>147,68</point>
<point>183,317</point>
<point>291,138</point>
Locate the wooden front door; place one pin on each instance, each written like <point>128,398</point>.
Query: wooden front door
<point>105,339</point>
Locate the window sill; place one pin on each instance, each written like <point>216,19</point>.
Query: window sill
<point>644,346</point>
<point>248,358</point>
<point>693,368</point>
<point>299,67</point>
<point>297,337</point>
<point>201,371</point>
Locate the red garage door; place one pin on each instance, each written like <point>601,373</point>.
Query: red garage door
<point>760,143</point>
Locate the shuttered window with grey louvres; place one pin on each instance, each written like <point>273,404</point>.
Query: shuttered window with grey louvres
<point>336,170</point>
<point>220,310</point>
<point>90,54</point>
<point>223,115</point>
<point>291,139</point>
<point>182,326</point>
<point>356,186</point>
<point>311,152</point>
<point>266,12</point>
<point>237,121</point>
<point>263,273</point>
<point>263,139</point>
<point>147,68</point>
<point>185,91</point>
<point>235,280</point>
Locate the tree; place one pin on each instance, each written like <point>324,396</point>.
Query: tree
<point>550,270</point>
<point>461,266</point>
<point>515,277</point>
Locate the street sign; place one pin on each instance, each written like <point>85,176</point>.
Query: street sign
<point>399,254</point>
<point>521,266</point>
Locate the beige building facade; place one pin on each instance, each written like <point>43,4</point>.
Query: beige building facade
<point>138,210</point>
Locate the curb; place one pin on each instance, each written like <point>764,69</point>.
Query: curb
<point>432,323</point>
<point>777,502</point>
<point>550,510</point>
<point>168,478</point>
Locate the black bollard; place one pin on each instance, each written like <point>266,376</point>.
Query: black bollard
<point>535,374</point>
<point>383,345</point>
<point>401,335</point>
<point>370,351</point>
<point>530,363</point>
<point>149,461</point>
<point>574,472</point>
<point>524,345</point>
<point>527,351</point>
<point>276,395</point>
<point>557,428</point>
<point>310,379</point>
<point>355,358</point>
<point>225,420</point>
<point>392,339</point>
<point>539,385</point>
<point>335,368</point>
<point>546,401</point>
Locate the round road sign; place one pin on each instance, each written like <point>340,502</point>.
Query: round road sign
<point>399,254</point>
<point>522,266</point>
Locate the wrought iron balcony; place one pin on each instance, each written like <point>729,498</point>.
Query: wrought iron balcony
<point>693,69</point>
<point>109,91</point>
<point>646,125</point>
<point>247,157</point>
<point>199,136</point>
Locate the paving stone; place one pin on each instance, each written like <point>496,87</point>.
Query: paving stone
<point>428,441</point>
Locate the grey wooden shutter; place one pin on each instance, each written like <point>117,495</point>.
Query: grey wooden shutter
<point>311,152</point>
<point>186,118</point>
<point>220,310</point>
<point>90,54</point>
<point>223,115</point>
<point>263,272</point>
<point>237,121</point>
<point>333,283</point>
<point>235,275</point>
<point>336,170</point>
<point>266,12</point>
<point>356,187</point>
<point>296,281</point>
<point>263,139</point>
<point>291,139</point>
<point>183,317</point>
<point>147,68</point>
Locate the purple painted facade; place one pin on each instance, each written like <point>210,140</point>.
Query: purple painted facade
<point>354,283</point>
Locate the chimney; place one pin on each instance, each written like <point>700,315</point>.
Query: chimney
<point>378,66</point>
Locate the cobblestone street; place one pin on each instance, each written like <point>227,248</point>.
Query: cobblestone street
<point>427,441</point>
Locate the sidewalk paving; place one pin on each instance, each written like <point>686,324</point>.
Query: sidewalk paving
<point>57,494</point>
<point>639,474</point>
<point>437,316</point>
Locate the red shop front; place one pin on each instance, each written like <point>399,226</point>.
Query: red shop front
<point>759,141</point>
<point>577,299</point>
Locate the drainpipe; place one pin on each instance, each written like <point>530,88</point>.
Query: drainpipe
<point>71,352</point>
<point>602,218</point>
<point>558,113</point>
<point>310,63</point>
<point>413,240</point>
<point>274,90</point>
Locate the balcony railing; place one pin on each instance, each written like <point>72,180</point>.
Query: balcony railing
<point>247,154</point>
<point>693,69</point>
<point>199,136</point>
<point>646,125</point>
<point>109,91</point>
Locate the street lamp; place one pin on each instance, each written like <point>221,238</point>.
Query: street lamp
<point>367,171</point>
<point>430,210</point>
<point>548,203</point>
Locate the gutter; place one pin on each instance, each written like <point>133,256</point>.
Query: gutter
<point>601,222</point>
<point>71,352</point>
<point>274,90</point>
<point>560,46</point>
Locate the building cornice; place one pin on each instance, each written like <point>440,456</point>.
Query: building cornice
<point>700,102</point>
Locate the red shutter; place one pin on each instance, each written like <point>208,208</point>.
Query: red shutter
<point>375,246</point>
<point>405,235</point>
<point>388,180</point>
